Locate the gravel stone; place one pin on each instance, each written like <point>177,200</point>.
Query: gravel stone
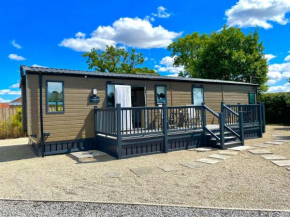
<point>69,209</point>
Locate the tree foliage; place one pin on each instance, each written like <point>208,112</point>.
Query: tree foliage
<point>118,60</point>
<point>225,55</point>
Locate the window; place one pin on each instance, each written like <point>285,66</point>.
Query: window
<point>54,97</point>
<point>160,94</point>
<point>197,95</point>
<point>110,95</point>
<point>252,98</point>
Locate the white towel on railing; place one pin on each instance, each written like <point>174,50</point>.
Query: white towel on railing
<point>191,112</point>
<point>123,97</point>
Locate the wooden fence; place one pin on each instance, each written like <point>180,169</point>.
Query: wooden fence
<point>6,114</point>
<point>7,129</point>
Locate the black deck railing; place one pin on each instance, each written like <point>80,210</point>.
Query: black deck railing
<point>141,121</point>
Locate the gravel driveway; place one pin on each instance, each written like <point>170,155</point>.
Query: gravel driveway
<point>243,181</point>
<point>64,209</point>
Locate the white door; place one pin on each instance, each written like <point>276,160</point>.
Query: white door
<point>123,97</point>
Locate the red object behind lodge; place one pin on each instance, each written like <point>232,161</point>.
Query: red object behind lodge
<point>4,105</point>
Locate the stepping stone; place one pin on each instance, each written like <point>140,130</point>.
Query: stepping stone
<point>226,152</point>
<point>278,140</point>
<point>260,151</point>
<point>273,157</point>
<point>191,165</point>
<point>263,145</point>
<point>113,174</point>
<point>281,163</point>
<point>277,134</point>
<point>208,161</point>
<point>88,154</point>
<point>203,149</point>
<point>167,168</point>
<point>241,148</point>
<point>220,156</point>
<point>284,138</point>
<point>288,168</point>
<point>140,171</point>
<point>275,143</point>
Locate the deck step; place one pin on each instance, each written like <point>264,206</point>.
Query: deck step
<point>230,144</point>
<point>226,139</point>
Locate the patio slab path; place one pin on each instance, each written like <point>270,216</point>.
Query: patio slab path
<point>273,157</point>
<point>207,161</point>
<point>260,151</point>
<point>220,156</point>
<point>167,168</point>
<point>140,171</point>
<point>203,149</point>
<point>241,148</point>
<point>226,152</point>
<point>113,174</point>
<point>281,163</point>
<point>191,165</point>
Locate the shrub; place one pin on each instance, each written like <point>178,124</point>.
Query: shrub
<point>12,129</point>
<point>277,107</point>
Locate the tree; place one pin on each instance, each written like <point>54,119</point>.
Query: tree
<point>227,55</point>
<point>116,59</point>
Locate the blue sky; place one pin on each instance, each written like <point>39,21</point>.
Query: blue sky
<point>56,33</point>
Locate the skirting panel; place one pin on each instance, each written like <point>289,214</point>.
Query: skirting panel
<point>107,145</point>
<point>145,148</point>
<point>62,147</point>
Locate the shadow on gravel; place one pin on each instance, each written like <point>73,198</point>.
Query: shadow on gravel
<point>16,152</point>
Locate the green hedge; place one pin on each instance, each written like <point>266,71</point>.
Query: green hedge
<point>277,107</point>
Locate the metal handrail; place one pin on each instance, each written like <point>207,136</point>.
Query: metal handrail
<point>235,113</point>
<point>211,111</point>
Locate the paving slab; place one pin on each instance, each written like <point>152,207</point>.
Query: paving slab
<point>273,157</point>
<point>260,151</point>
<point>288,168</point>
<point>278,140</point>
<point>220,156</point>
<point>277,134</point>
<point>285,138</point>
<point>263,145</point>
<point>167,168</point>
<point>226,152</point>
<point>191,165</point>
<point>282,163</point>
<point>208,161</point>
<point>113,174</point>
<point>140,171</point>
<point>274,143</point>
<point>242,148</point>
<point>203,149</point>
<point>88,154</point>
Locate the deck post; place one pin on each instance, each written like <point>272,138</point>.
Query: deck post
<point>264,117</point>
<point>119,135</point>
<point>165,133</point>
<point>241,127</point>
<point>222,128</point>
<point>203,124</point>
<point>96,124</point>
<point>260,119</point>
<point>222,106</point>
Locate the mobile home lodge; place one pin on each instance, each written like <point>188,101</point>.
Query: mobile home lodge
<point>127,115</point>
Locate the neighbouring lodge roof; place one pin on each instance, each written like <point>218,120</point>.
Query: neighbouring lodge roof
<point>43,70</point>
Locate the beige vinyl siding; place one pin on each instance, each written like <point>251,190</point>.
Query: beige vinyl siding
<point>234,94</point>
<point>33,108</point>
<point>78,119</point>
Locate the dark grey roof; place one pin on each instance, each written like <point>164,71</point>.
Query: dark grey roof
<point>132,76</point>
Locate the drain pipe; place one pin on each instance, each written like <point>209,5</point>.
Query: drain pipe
<point>41,115</point>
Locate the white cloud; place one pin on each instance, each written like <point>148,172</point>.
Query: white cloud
<point>270,57</point>
<point>251,13</point>
<point>16,57</point>
<point>15,85</point>
<point>3,100</point>
<point>133,32</point>
<point>278,72</point>
<point>271,81</point>
<point>287,58</point>
<point>9,92</point>
<point>161,13</point>
<point>166,65</point>
<point>281,88</point>
<point>36,65</point>
<point>80,35</point>
<point>16,45</point>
